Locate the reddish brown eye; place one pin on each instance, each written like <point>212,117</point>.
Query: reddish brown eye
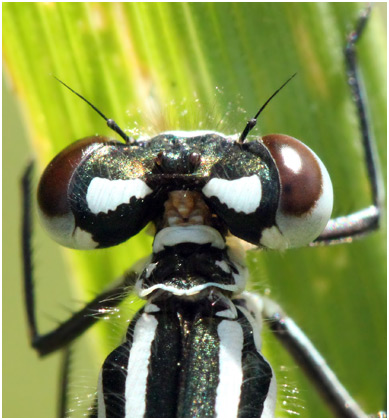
<point>306,191</point>
<point>300,173</point>
<point>54,182</point>
<point>53,200</point>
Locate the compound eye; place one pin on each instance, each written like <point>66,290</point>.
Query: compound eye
<point>54,204</point>
<point>306,195</point>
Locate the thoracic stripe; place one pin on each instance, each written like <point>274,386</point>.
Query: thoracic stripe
<point>137,371</point>
<point>187,360</point>
<point>230,367</point>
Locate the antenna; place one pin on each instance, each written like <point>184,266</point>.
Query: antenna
<point>111,123</point>
<point>252,123</point>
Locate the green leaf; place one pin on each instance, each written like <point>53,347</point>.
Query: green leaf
<point>159,66</point>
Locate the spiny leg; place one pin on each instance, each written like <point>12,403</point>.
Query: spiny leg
<point>310,360</point>
<point>344,228</point>
<point>64,383</point>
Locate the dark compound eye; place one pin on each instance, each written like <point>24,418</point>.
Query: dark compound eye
<point>54,205</point>
<point>243,189</point>
<point>275,193</point>
<point>93,194</point>
<point>306,195</point>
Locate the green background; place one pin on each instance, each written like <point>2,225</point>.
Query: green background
<point>187,66</point>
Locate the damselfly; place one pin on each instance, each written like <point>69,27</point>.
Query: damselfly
<point>225,206</point>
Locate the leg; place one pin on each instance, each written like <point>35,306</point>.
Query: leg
<point>64,383</point>
<point>81,320</point>
<point>342,229</point>
<point>310,360</point>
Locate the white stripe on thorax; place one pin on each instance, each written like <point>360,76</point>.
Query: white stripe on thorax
<point>230,369</point>
<point>138,363</point>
